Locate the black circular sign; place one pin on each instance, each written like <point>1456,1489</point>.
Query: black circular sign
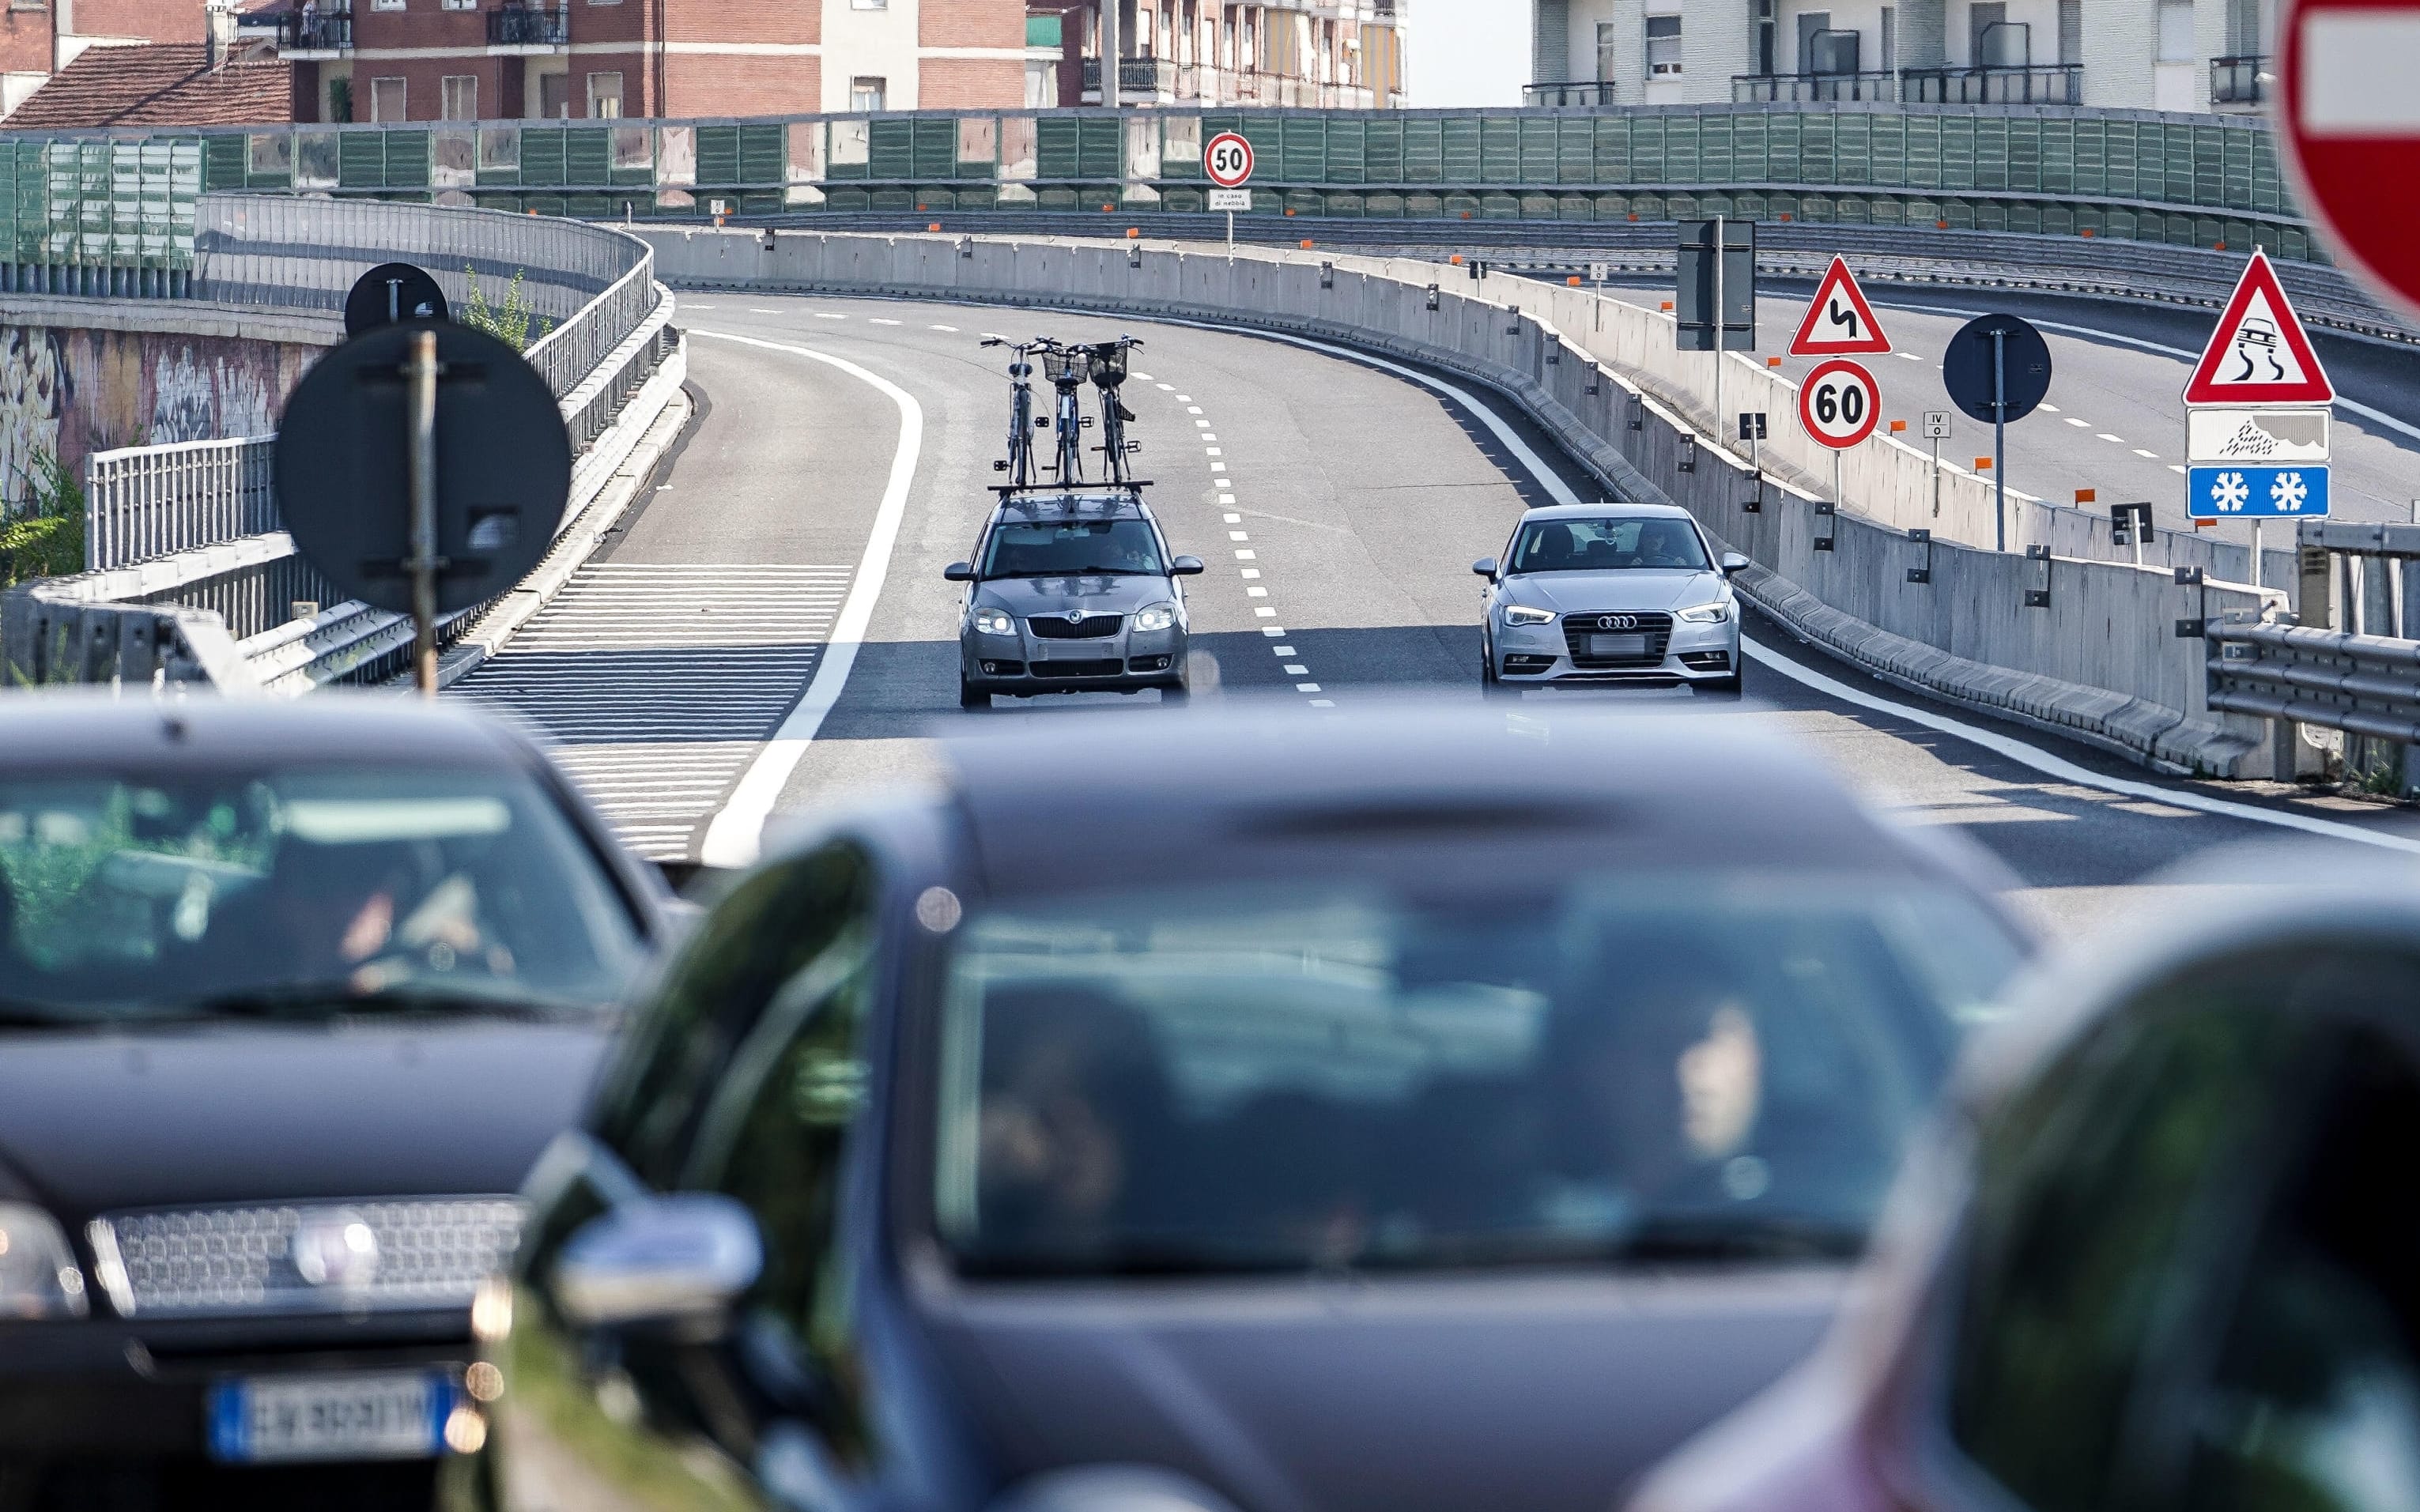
<point>391,292</point>
<point>2025,357</point>
<point>504,467</point>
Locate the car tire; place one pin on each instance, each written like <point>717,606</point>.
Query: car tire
<point>1493,687</point>
<point>1722,688</point>
<point>1174,695</point>
<point>972,699</point>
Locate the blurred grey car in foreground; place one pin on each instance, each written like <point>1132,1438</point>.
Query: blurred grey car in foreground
<point>1411,1111</point>
<point>1610,596</point>
<point>2160,1253</point>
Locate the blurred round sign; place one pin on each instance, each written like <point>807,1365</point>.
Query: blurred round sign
<point>504,468</point>
<point>2348,132</point>
<point>391,292</point>
<point>1966,368</point>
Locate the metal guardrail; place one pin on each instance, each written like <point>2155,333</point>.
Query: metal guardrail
<point>143,501</point>
<point>2366,685</point>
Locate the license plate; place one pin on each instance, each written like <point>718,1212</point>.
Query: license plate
<point>384,1415</point>
<point>1617,645</point>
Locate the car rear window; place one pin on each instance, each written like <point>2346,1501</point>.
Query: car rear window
<point>1683,1069</point>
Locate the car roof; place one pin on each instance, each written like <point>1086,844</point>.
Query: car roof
<point>1607,511</point>
<point>1078,503</point>
<point>1108,802</point>
<point>51,729</point>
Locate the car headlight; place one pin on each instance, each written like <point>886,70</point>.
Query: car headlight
<point>1524,614</point>
<point>1157,617</point>
<point>1714,613</point>
<point>39,1276</point>
<point>994,622</point>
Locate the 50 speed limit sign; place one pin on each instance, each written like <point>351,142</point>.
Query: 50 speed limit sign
<point>1838,404</point>
<point>1228,160</point>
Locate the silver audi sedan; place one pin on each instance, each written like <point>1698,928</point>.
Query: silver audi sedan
<point>1611,595</point>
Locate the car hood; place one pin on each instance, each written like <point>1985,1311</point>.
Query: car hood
<point>90,1122</point>
<point>1546,1394</point>
<point>1632,587</point>
<point>1026,596</point>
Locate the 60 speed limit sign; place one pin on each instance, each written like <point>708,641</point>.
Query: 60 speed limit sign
<point>1228,160</point>
<point>1838,404</point>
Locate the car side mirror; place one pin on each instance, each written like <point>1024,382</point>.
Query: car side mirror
<point>1185,567</point>
<point>959,572</point>
<point>1485,567</point>
<point>681,1258</point>
<point>1733,563</point>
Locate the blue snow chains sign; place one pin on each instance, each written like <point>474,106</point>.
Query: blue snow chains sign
<point>2247,493</point>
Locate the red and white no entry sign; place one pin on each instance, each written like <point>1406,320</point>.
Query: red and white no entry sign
<point>2348,127</point>
<point>1228,160</point>
<point>1838,404</point>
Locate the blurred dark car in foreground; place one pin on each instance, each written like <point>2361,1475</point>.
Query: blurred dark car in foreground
<point>2162,1257</point>
<point>290,997</point>
<point>1412,1112</point>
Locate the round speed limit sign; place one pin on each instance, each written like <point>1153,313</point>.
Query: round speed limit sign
<point>1228,160</point>
<point>1838,404</point>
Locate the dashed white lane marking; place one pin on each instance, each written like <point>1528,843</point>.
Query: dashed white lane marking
<point>2114,441</point>
<point>1237,535</point>
<point>2173,467</point>
<point>1267,614</point>
<point>1297,670</point>
<point>1306,688</point>
<point>1207,436</point>
<point>1323,704</point>
<point>1213,451</point>
<point>1251,572</point>
<point>1277,630</point>
<point>952,330</point>
<point>877,319</point>
<point>1193,409</point>
<point>752,310</point>
<point>1257,592</point>
<point>733,837</point>
<point>2149,456</point>
<point>2052,410</point>
<point>1247,555</point>
<point>1165,388</point>
<point>652,684</point>
<point>1283,651</point>
<point>1217,466</point>
<point>1142,378</point>
<point>822,315</point>
<point>2084,423</point>
<point>1910,356</point>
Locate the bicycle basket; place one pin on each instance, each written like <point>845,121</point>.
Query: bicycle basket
<point>1065,366</point>
<point>1110,364</point>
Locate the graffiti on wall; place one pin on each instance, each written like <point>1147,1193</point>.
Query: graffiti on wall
<point>71,393</point>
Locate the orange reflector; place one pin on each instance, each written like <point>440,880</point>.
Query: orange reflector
<point>1773,362</point>
<point>2087,496</point>
<point>1898,425</point>
<point>2087,231</point>
<point>1133,232</point>
<point>1668,304</point>
<point>1982,464</point>
<point>1784,215</point>
<point>1941,226</point>
<point>1305,243</point>
<point>935,226</point>
<point>1456,259</point>
<point>1574,280</point>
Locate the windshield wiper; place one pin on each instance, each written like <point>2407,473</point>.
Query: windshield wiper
<point>287,1000</point>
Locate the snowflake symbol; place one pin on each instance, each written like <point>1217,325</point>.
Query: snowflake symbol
<point>2229,492</point>
<point>2289,492</point>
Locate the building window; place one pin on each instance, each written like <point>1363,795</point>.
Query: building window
<point>386,5</point>
<point>1605,50</point>
<point>554,97</point>
<point>1890,39</point>
<point>386,101</point>
<point>604,96</point>
<point>458,97</point>
<point>869,5</point>
<point>866,94</point>
<point>1664,47</point>
<point>340,103</point>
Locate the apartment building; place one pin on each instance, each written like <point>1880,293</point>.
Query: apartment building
<point>39,38</point>
<point>1333,53</point>
<point>2148,55</point>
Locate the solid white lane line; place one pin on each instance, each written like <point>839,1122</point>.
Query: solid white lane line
<point>2067,771</point>
<point>733,837</point>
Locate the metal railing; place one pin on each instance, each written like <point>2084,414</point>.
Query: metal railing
<point>1154,76</point>
<point>2239,80</point>
<point>2366,685</point>
<point>529,26</point>
<point>145,501</point>
<point>2040,84</point>
<point>315,31</point>
<point>1797,88</point>
<point>1580,93</point>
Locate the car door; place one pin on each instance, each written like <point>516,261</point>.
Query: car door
<point>763,1003</point>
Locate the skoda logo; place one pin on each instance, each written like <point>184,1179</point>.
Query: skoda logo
<point>1074,616</point>
<point>333,1247</point>
<point>1617,622</point>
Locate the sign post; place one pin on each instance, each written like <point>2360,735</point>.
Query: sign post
<point>1227,159</point>
<point>1936,430</point>
<point>1998,369</point>
<point>2257,413</point>
<point>1714,293</point>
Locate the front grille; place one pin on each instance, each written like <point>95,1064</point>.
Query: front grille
<point>417,1252</point>
<point>1579,628</point>
<point>1060,627</point>
<point>1109,668</point>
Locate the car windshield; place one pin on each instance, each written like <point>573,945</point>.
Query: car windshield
<point>1608,544</point>
<point>300,892</point>
<point>1063,548</point>
<point>1686,1068</point>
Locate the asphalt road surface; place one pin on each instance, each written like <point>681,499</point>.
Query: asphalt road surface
<point>840,460</point>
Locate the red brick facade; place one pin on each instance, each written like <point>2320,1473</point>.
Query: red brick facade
<point>970,24</point>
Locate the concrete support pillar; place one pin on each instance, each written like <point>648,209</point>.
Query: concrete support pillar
<point>1628,18</point>
<point>1923,34</point>
<point>1717,41</point>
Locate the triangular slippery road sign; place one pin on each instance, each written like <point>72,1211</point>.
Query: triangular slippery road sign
<point>1839,322</point>
<point>2259,354</point>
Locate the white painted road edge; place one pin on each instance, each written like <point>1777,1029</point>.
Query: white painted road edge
<point>733,837</point>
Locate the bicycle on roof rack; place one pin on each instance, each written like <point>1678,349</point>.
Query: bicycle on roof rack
<point>1067,368</point>
<point>1018,464</point>
<point>1106,362</point>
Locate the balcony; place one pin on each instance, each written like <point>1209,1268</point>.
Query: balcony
<point>2239,80</point>
<point>1140,80</point>
<point>315,33</point>
<point>1581,93</point>
<point>530,27</point>
<point>2060,84</point>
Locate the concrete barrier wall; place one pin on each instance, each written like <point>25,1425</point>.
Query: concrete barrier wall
<point>2102,661</point>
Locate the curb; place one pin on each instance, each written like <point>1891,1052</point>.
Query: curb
<point>573,547</point>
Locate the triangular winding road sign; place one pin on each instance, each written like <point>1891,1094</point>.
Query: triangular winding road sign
<point>1839,323</point>
<point>2259,354</point>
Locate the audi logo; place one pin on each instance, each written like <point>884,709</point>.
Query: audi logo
<point>1617,622</point>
